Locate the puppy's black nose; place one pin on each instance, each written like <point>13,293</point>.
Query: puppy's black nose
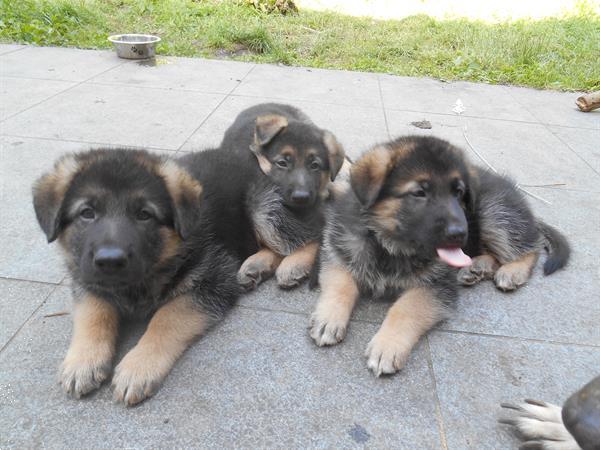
<point>300,197</point>
<point>110,259</point>
<point>456,234</point>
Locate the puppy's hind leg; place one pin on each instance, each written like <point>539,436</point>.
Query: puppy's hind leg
<point>483,267</point>
<point>257,268</point>
<point>514,274</point>
<point>297,266</point>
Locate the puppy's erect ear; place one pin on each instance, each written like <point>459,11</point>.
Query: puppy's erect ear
<point>185,192</point>
<point>49,192</point>
<point>336,154</point>
<point>368,174</point>
<point>266,128</point>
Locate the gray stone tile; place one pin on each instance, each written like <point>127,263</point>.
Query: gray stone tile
<point>255,381</point>
<point>302,301</point>
<point>319,85</point>
<point>586,143</point>
<point>474,375</point>
<point>529,153</point>
<point>19,301</point>
<point>55,63</point>
<point>356,128</point>
<point>25,252</point>
<point>119,115</point>
<point>555,108</point>
<point>18,94</point>
<point>196,74</point>
<point>449,127</point>
<point>8,48</point>
<point>427,95</point>
<point>562,307</point>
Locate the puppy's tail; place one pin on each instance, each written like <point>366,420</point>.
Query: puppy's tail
<point>557,247</point>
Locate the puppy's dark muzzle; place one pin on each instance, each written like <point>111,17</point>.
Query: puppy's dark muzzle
<point>110,260</point>
<point>301,198</point>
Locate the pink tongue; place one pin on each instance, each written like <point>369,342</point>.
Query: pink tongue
<point>454,257</point>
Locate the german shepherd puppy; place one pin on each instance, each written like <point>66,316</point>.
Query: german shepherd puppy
<point>290,163</point>
<point>143,237</point>
<point>414,204</point>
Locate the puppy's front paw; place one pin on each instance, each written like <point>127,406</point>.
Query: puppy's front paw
<point>290,275</point>
<point>256,269</point>
<point>136,378</point>
<point>386,353</point>
<point>327,330</point>
<point>249,277</point>
<point>540,425</point>
<point>508,279</point>
<point>83,371</point>
<point>483,267</point>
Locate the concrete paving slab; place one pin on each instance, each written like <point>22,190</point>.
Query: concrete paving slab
<point>555,108</point>
<point>427,95</point>
<point>303,300</point>
<point>118,115</point>
<point>204,75</point>
<point>444,126</point>
<point>530,153</point>
<point>562,307</point>
<point>25,253</point>
<point>356,128</point>
<point>18,94</point>
<point>319,85</point>
<point>586,143</point>
<point>19,300</point>
<point>255,381</point>
<point>9,48</point>
<point>258,380</point>
<point>475,374</point>
<point>53,63</point>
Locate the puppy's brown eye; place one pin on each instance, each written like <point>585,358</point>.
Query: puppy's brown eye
<point>282,164</point>
<point>419,193</point>
<point>315,165</point>
<point>87,214</point>
<point>143,215</point>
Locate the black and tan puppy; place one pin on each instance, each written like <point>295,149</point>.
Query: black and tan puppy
<point>414,204</point>
<point>290,162</point>
<point>143,237</point>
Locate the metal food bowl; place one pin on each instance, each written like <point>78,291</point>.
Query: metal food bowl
<point>134,46</point>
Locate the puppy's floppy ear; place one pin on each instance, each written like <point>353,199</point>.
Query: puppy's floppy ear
<point>368,174</point>
<point>265,130</point>
<point>49,192</point>
<point>336,154</point>
<point>185,192</point>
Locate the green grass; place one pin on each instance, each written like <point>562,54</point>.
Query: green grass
<point>558,53</point>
